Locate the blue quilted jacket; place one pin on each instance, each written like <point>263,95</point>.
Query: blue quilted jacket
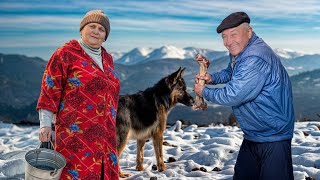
<point>259,90</point>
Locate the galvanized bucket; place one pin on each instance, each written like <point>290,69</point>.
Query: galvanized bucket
<point>42,163</point>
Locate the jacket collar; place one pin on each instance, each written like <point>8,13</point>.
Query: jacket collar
<point>75,44</point>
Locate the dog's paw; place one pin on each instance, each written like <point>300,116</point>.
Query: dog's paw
<point>161,167</point>
<point>124,175</point>
<point>139,167</point>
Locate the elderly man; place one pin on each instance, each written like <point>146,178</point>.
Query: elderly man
<point>259,90</point>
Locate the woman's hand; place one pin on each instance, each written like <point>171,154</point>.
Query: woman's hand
<point>45,134</point>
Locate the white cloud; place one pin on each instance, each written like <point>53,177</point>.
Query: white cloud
<point>292,9</point>
<point>31,5</point>
<point>53,22</point>
<point>161,24</point>
<point>194,20</point>
<point>304,44</point>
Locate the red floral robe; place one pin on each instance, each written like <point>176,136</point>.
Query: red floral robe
<point>85,100</point>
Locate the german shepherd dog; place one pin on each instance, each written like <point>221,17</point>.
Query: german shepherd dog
<point>143,115</point>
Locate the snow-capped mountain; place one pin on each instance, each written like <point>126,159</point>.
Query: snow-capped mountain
<point>191,52</point>
<point>141,55</point>
<point>166,52</point>
<point>134,56</point>
<point>288,54</point>
<point>302,64</point>
<point>116,55</point>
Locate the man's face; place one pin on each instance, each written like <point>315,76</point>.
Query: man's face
<point>236,39</point>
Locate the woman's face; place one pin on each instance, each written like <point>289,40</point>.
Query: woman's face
<point>93,35</point>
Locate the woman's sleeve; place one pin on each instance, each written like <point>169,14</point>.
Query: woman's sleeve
<point>52,84</point>
<point>45,118</point>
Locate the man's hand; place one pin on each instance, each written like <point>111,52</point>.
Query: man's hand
<point>207,78</point>
<point>45,134</point>
<point>197,88</point>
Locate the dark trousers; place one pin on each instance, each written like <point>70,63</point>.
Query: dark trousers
<point>264,161</point>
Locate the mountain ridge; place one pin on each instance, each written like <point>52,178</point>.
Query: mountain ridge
<point>142,55</point>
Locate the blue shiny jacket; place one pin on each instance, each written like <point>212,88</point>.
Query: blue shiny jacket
<point>259,90</point>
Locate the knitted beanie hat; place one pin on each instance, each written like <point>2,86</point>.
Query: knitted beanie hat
<point>96,16</point>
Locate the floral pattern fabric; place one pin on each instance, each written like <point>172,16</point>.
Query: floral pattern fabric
<point>85,100</point>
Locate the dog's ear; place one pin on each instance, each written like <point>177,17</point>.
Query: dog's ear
<point>174,77</point>
<point>180,73</point>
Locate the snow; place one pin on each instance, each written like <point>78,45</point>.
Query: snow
<point>134,56</point>
<point>167,51</point>
<point>201,153</point>
<point>288,53</point>
<point>116,55</point>
<point>138,55</point>
<point>294,68</point>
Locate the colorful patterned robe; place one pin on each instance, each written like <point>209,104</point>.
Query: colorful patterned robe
<point>85,100</point>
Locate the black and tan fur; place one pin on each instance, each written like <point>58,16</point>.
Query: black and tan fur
<point>143,115</point>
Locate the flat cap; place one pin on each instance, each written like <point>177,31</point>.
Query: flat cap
<point>233,20</point>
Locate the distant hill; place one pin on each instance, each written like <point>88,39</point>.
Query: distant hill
<point>302,64</point>
<point>295,62</point>
<point>20,78</point>
<point>306,93</point>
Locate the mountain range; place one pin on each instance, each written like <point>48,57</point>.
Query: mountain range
<point>294,61</point>
<point>141,55</point>
<point>20,78</point>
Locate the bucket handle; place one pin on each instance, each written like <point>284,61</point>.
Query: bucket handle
<point>52,146</point>
<point>37,151</point>
<point>54,172</point>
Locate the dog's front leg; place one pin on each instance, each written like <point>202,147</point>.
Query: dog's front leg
<point>140,152</point>
<point>157,143</point>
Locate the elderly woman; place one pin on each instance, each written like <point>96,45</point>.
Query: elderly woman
<point>81,89</point>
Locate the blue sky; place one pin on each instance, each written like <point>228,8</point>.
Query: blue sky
<point>38,27</point>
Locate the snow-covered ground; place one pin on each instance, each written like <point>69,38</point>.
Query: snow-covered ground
<point>201,153</point>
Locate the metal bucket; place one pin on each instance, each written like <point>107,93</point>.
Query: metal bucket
<point>44,163</point>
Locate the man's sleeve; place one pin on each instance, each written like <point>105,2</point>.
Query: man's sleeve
<point>246,83</point>
<point>223,76</point>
